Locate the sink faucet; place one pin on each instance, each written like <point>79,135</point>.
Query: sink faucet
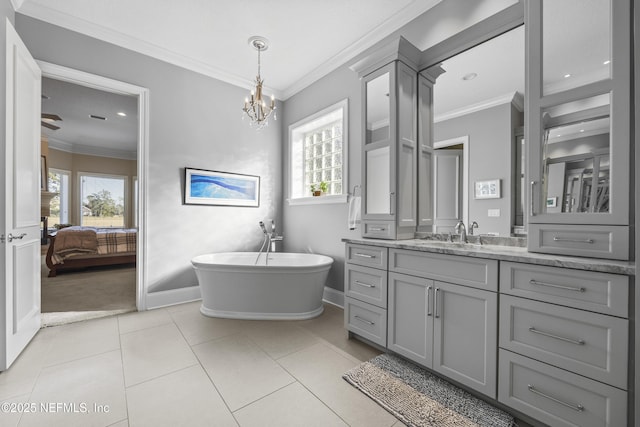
<point>471,227</point>
<point>461,231</point>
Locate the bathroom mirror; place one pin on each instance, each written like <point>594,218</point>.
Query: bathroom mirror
<point>571,23</point>
<point>378,183</point>
<point>576,156</point>
<point>478,110</point>
<point>378,109</point>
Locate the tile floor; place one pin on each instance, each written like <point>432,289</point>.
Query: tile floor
<point>175,367</point>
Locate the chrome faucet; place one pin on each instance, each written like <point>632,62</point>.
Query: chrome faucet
<point>269,242</point>
<point>471,227</point>
<point>461,231</point>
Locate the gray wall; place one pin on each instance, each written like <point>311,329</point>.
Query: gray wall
<point>195,121</point>
<point>320,228</point>
<point>490,134</point>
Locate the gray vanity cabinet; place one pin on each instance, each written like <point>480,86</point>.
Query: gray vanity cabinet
<point>390,143</point>
<point>448,327</point>
<point>578,129</point>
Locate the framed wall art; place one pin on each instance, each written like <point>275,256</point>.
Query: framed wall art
<point>489,189</point>
<point>205,187</point>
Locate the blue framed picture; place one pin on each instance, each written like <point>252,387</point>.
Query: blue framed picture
<point>204,187</point>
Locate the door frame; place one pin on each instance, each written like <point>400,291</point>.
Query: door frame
<point>464,141</point>
<point>94,81</point>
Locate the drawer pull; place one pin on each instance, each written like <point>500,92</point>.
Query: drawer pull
<point>547,334</point>
<point>563,239</point>
<point>578,407</point>
<point>364,320</point>
<point>364,255</point>
<point>553,285</point>
<point>366,285</point>
<point>377,229</point>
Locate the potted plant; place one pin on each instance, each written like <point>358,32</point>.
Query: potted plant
<point>324,187</point>
<point>314,191</point>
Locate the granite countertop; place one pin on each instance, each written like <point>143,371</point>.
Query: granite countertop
<point>503,253</point>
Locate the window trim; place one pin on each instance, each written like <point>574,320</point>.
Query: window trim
<point>295,127</point>
<point>69,192</point>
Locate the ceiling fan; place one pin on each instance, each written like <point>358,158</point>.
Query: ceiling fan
<point>48,119</point>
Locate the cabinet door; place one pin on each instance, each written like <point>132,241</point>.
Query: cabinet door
<point>578,112</point>
<point>410,321</point>
<point>465,336</point>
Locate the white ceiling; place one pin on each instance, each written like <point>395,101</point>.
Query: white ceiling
<point>307,38</point>
<point>116,136</point>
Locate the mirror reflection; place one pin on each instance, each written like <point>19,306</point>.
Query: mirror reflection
<point>576,155</point>
<point>378,109</point>
<point>571,23</point>
<point>478,119</point>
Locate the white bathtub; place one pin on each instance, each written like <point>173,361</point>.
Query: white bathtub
<point>290,287</point>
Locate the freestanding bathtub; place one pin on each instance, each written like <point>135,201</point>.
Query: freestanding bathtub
<point>288,287</point>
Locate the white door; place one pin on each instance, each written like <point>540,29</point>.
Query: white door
<point>20,215</point>
<point>447,181</point>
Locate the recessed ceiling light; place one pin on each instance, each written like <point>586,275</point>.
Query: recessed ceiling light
<point>566,76</point>
<point>581,130</point>
<point>122,114</point>
<point>469,76</point>
<point>607,62</point>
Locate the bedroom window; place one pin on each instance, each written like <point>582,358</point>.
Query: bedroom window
<point>102,200</point>
<point>318,154</point>
<point>59,181</point>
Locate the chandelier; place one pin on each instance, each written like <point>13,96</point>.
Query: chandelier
<point>255,107</point>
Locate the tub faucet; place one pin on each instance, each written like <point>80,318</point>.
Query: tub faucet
<point>273,237</point>
<point>461,231</point>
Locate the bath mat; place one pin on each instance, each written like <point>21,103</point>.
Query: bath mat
<point>420,399</point>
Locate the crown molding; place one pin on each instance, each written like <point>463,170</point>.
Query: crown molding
<point>514,98</point>
<point>88,150</point>
<point>69,22</point>
<point>51,16</point>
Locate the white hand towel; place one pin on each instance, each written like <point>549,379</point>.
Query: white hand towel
<point>354,212</point>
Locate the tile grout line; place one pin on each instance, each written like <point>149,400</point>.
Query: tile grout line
<point>203,368</point>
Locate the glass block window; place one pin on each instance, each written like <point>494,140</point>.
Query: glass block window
<point>318,153</point>
<point>321,148</point>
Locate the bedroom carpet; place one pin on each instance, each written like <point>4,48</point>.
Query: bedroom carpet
<point>420,399</point>
<point>86,294</point>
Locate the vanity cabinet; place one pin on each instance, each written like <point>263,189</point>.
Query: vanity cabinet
<point>578,129</point>
<point>446,326</point>
<point>390,151</point>
<point>365,311</point>
<point>564,338</point>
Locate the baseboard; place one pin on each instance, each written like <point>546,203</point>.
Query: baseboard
<point>172,297</point>
<point>333,296</point>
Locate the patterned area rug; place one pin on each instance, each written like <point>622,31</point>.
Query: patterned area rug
<point>420,399</point>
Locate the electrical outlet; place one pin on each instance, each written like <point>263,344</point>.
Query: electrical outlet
<point>493,212</point>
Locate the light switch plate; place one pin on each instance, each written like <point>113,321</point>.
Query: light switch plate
<point>493,212</point>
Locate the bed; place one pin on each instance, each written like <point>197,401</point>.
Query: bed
<point>81,247</point>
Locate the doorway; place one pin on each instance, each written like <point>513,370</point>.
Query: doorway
<point>450,183</point>
<point>130,214</point>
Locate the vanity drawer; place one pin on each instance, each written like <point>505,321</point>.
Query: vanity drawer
<point>366,320</point>
<point>368,256</point>
<point>557,397</point>
<point>379,229</point>
<point>611,242</point>
<point>366,284</point>
<point>476,272</point>
<point>601,292</point>
<point>589,344</point>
